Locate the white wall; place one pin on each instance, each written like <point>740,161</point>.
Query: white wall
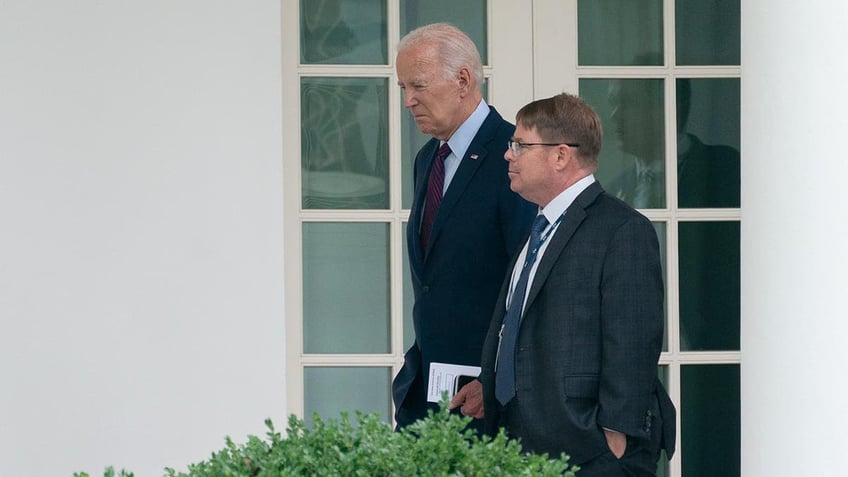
<point>794,226</point>
<point>141,267</point>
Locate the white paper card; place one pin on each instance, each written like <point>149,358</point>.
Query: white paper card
<point>443,378</point>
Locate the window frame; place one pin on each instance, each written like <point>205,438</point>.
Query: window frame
<point>510,86</point>
<point>557,70</point>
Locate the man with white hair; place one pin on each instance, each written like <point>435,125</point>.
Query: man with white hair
<point>465,223</point>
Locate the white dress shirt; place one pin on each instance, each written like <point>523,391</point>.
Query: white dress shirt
<point>553,211</point>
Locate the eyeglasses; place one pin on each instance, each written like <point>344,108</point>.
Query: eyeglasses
<point>518,147</point>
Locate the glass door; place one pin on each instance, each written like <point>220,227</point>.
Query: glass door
<point>348,153</point>
<point>665,78</point>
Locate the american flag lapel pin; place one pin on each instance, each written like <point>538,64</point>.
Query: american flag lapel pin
<point>474,157</point>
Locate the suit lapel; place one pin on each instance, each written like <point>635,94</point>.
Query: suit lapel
<point>574,216</point>
<point>478,151</point>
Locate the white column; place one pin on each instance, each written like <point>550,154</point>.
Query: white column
<point>794,231</point>
<point>141,272</point>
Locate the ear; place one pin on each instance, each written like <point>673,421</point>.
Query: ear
<point>464,79</point>
<point>565,157</point>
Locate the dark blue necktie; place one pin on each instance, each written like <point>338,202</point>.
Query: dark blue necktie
<point>435,184</point>
<point>505,377</point>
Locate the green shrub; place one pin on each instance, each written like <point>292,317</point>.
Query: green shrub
<point>109,472</point>
<point>439,445</point>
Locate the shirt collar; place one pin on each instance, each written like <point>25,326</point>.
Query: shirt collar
<point>461,139</point>
<point>560,203</point>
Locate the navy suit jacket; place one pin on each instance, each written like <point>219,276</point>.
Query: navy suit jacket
<point>479,227</point>
<point>590,338</point>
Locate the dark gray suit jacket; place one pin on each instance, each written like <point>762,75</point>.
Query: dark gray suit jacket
<point>590,338</point>
<point>480,225</point>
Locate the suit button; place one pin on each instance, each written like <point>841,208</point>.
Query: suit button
<point>425,289</point>
<point>646,427</point>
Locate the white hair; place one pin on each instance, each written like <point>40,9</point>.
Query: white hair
<point>454,48</point>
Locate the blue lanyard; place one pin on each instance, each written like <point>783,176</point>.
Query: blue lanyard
<point>532,253</point>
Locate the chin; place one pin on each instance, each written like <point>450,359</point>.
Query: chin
<point>425,126</point>
<point>427,131</point>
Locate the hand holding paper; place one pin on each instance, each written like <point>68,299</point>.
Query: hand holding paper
<point>469,399</point>
<point>443,378</point>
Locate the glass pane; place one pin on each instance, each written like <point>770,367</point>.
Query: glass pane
<point>710,420</point>
<point>632,162</point>
<point>343,32</point>
<point>707,32</point>
<point>708,116</point>
<point>662,465</point>
<point>345,287</point>
<point>367,390</point>
<point>344,143</point>
<point>709,286</point>
<point>408,300</point>
<point>470,16</point>
<point>660,228</point>
<point>619,32</point>
<point>411,141</point>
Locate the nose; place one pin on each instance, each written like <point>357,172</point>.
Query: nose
<point>409,99</point>
<point>509,156</point>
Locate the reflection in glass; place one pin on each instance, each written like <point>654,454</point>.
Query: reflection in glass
<point>632,162</point>
<point>344,143</point>
<point>709,286</point>
<point>343,32</point>
<point>708,116</point>
<point>330,391</point>
<point>470,16</point>
<point>345,287</point>
<point>710,419</point>
<point>707,32</point>
<point>411,142</point>
<point>620,32</point>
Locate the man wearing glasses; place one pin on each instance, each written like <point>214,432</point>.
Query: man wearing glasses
<point>570,360</point>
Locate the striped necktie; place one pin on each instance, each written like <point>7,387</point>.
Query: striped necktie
<point>435,184</point>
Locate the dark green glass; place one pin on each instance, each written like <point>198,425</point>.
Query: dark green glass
<point>632,162</point>
<point>662,465</point>
<point>620,32</point>
<point>708,160</point>
<point>709,286</point>
<point>707,32</point>
<point>711,420</point>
